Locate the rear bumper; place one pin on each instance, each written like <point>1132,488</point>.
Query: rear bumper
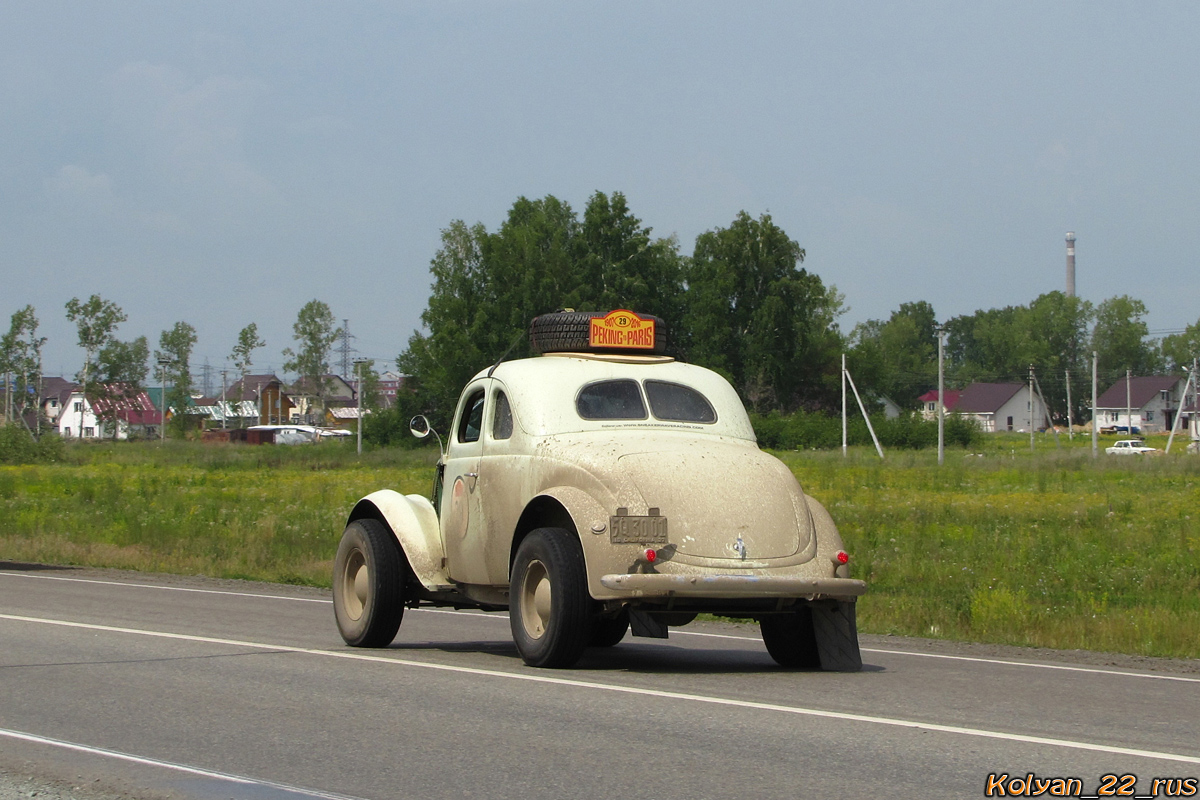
<point>635,585</point>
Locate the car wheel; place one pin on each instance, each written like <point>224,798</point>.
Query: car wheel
<point>790,639</point>
<point>836,630</point>
<point>570,332</point>
<point>368,585</point>
<point>609,631</point>
<point>550,611</point>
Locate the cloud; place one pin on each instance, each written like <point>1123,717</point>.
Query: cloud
<point>77,183</point>
<point>184,140</point>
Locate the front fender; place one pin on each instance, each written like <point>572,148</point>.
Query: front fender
<point>414,523</point>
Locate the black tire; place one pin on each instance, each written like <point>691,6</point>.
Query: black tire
<point>550,609</point>
<point>609,631</point>
<point>368,585</point>
<point>790,638</point>
<point>570,332</point>
<point>836,628</point>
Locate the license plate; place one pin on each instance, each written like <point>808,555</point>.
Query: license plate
<point>637,530</point>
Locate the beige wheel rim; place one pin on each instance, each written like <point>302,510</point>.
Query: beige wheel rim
<point>356,583</point>
<point>535,600</point>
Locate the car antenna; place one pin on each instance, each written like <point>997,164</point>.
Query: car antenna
<point>504,355</point>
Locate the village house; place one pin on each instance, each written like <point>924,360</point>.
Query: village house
<point>1152,401</point>
<point>272,401</point>
<point>307,398</point>
<point>994,407</point>
<point>135,416</point>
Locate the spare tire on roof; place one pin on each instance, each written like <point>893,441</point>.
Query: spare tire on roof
<point>618,331</point>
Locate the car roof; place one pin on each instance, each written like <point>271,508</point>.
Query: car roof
<point>542,391</point>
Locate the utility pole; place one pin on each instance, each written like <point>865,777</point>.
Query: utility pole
<point>1195,402</point>
<point>844,405</point>
<point>941,409</point>
<point>1030,408</point>
<point>344,349</point>
<point>224,400</point>
<point>1070,423</point>
<point>163,363</point>
<point>1095,387</point>
<point>358,365</point>
<point>206,373</point>
<point>1129,402</point>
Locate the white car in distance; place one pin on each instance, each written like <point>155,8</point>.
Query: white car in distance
<point>1135,447</point>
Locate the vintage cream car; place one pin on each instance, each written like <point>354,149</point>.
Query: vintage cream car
<point>599,490</point>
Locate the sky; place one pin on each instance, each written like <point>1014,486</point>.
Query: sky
<point>223,163</point>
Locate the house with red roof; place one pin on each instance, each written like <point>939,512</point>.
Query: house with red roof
<point>993,406</point>
<point>134,414</point>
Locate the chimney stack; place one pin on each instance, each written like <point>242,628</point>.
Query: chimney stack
<point>1070,263</point>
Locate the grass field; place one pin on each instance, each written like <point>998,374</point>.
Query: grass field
<point>1050,548</point>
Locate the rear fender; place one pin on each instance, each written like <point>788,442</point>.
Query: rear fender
<point>829,541</point>
<point>414,523</point>
<point>590,520</point>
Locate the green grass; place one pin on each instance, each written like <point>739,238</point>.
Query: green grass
<point>1054,549</point>
<point>1051,548</point>
<point>268,513</point>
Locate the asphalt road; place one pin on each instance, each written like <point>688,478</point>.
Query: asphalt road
<point>142,686</point>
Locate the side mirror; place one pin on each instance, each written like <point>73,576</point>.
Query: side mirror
<point>418,426</point>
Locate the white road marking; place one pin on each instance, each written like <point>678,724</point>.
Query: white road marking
<point>164,588</point>
<point>658,694</point>
<point>154,762</point>
<point>496,615</point>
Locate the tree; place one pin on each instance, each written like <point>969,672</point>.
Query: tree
<point>488,286</point>
<point>1056,328</point>
<point>21,363</point>
<point>121,370</point>
<point>176,348</point>
<point>1120,338</point>
<point>367,383</point>
<point>96,320</point>
<point>622,267</point>
<point>1180,349</point>
<point>757,318</point>
<point>315,332</point>
<point>247,342</point>
<point>897,357</point>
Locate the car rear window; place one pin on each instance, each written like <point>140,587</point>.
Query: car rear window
<point>675,402</point>
<point>619,399</point>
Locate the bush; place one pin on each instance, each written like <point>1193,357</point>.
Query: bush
<point>17,446</point>
<point>805,430</point>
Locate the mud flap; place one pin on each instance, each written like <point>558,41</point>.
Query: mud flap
<point>643,624</point>
<point>836,630</point>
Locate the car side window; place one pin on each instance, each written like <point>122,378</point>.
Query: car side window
<point>675,402</point>
<point>617,399</point>
<point>502,421</point>
<point>472,418</point>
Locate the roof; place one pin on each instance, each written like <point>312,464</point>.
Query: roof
<point>335,385</point>
<point>985,398</point>
<point>248,386</point>
<point>1141,391</point>
<point>542,391</point>
<point>135,410</point>
<point>347,412</point>
<point>59,388</point>
<point>949,395</point>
